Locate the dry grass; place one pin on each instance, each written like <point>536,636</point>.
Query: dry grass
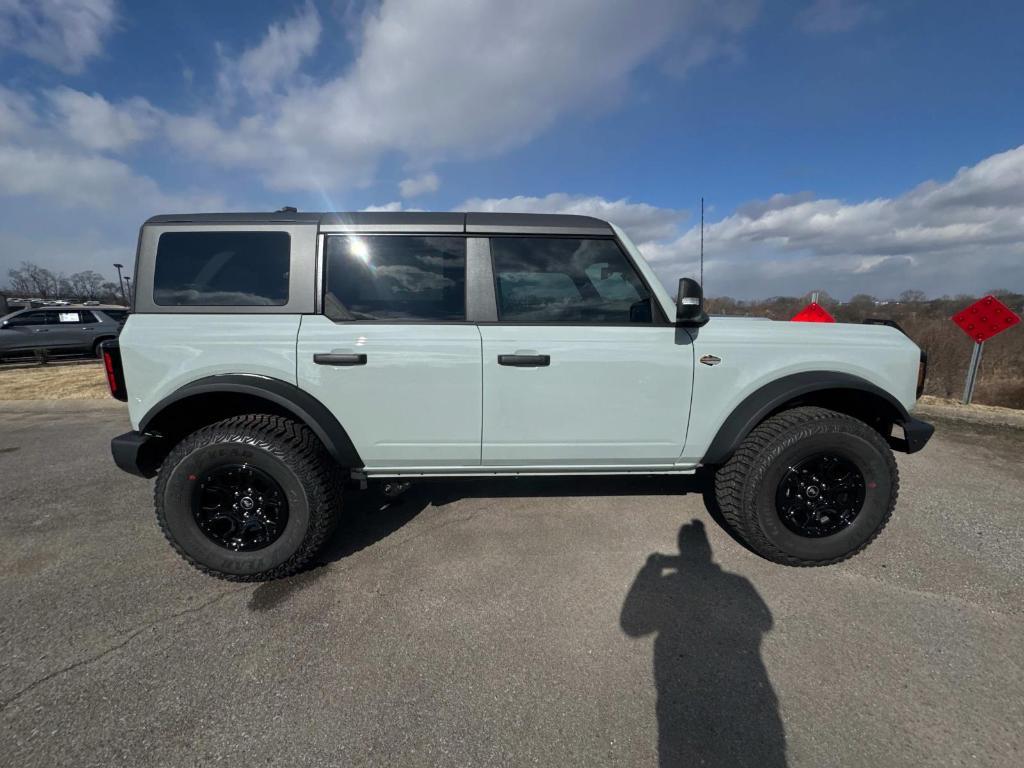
<point>59,382</point>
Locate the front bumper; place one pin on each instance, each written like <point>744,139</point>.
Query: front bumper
<point>138,453</point>
<point>916,434</point>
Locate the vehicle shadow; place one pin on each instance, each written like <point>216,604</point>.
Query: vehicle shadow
<point>715,703</point>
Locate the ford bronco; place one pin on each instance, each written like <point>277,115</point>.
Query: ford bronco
<point>272,359</point>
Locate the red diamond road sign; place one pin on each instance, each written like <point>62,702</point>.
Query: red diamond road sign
<point>985,318</point>
<point>813,313</point>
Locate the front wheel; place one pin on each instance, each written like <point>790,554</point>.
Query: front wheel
<point>809,486</point>
<point>251,498</point>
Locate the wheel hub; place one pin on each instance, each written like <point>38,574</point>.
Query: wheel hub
<point>240,507</point>
<point>820,495</point>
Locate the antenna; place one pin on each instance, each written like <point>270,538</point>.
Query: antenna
<point>702,242</point>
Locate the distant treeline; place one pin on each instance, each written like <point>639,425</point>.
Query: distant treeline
<point>928,323</point>
<point>31,281</point>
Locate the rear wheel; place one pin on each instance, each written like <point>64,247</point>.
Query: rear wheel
<point>250,498</point>
<point>809,486</point>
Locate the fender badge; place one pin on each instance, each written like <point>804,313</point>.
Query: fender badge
<point>710,360</point>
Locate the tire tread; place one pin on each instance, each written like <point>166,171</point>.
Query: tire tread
<point>736,481</point>
<point>288,440</point>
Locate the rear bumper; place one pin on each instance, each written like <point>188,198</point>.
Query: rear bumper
<point>916,434</point>
<point>138,453</point>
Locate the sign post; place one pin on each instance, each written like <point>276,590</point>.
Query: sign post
<point>981,321</point>
<point>972,372</point>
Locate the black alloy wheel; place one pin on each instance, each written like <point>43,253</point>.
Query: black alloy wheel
<point>240,507</point>
<point>820,495</point>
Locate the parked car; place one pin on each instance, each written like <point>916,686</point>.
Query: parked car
<point>61,330</point>
<point>271,357</point>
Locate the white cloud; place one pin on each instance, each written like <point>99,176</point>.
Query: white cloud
<point>94,122</point>
<point>419,185</point>
<point>824,17</point>
<point>277,59</point>
<point>642,222</point>
<point>392,207</point>
<point>62,33</point>
<point>66,205</point>
<point>448,78</point>
<point>962,235</point>
<point>965,234</point>
<point>17,113</point>
<point>87,181</point>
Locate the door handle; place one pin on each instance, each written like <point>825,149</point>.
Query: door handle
<point>524,361</point>
<point>335,358</point>
<point>41,330</point>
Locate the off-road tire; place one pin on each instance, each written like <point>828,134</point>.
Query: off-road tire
<point>745,486</point>
<point>283,448</point>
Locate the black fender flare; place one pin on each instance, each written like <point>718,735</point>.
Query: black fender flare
<point>773,395</point>
<point>288,397</point>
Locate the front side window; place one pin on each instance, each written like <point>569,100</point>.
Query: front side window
<point>567,280</point>
<point>225,269</point>
<point>28,318</point>
<point>395,277</point>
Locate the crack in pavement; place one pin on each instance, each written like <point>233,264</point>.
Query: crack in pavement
<point>103,654</point>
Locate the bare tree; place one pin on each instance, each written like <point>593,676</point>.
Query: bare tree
<point>109,293</point>
<point>912,296</point>
<point>86,285</point>
<point>33,280</point>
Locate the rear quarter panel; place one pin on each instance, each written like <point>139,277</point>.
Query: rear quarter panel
<point>755,352</point>
<point>163,352</point>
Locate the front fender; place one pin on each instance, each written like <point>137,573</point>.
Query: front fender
<point>772,396</point>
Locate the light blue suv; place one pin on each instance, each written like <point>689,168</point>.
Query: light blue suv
<point>271,358</point>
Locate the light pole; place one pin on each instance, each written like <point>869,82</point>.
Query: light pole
<point>120,285</point>
<point>128,285</point>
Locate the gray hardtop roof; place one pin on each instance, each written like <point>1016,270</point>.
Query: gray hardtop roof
<point>494,223</point>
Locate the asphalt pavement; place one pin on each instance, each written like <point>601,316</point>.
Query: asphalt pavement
<point>507,623</point>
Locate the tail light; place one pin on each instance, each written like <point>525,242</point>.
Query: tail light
<point>922,372</point>
<point>114,370</point>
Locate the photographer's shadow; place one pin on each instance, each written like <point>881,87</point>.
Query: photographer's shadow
<point>716,705</point>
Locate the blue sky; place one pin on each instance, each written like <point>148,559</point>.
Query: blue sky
<point>841,145</point>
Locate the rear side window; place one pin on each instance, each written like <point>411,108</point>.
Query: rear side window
<point>117,315</point>
<point>225,269</point>
<point>567,280</point>
<point>71,317</point>
<point>395,277</point>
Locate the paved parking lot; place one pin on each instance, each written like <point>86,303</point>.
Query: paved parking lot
<point>508,623</point>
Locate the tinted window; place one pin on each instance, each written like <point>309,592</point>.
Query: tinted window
<point>567,280</point>
<point>28,318</point>
<point>226,269</point>
<point>117,315</point>
<point>387,277</point>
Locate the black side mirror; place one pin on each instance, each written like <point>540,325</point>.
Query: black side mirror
<point>690,303</point>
